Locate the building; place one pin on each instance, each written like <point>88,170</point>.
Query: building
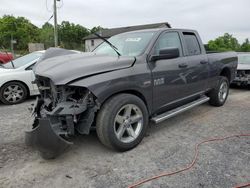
<point>35,47</point>
<point>92,41</point>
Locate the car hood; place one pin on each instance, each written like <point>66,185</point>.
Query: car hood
<point>243,67</point>
<point>66,68</point>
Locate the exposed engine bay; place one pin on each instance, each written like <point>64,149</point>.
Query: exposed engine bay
<point>58,112</point>
<point>242,77</point>
<point>72,107</point>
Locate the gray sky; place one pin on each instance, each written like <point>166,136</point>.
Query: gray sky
<point>211,18</point>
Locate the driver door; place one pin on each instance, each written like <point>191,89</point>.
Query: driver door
<point>169,75</point>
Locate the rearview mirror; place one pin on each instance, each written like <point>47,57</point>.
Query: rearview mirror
<point>168,53</point>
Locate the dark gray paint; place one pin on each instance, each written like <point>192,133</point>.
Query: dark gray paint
<point>105,76</point>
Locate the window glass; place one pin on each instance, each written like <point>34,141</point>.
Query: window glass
<point>21,61</point>
<point>192,44</point>
<point>128,44</point>
<point>168,40</point>
<point>31,66</point>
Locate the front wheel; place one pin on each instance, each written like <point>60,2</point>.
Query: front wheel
<point>122,122</point>
<point>218,95</point>
<point>13,93</point>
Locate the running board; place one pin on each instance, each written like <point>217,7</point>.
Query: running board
<point>179,110</point>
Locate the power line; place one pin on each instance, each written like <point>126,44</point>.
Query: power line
<point>49,18</point>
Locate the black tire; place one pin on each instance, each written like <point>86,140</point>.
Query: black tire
<point>215,99</point>
<point>22,88</point>
<point>105,122</point>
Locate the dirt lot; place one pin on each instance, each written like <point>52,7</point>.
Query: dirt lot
<point>168,146</point>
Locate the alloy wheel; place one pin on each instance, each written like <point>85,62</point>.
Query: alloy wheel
<point>13,93</point>
<point>223,91</point>
<point>128,123</point>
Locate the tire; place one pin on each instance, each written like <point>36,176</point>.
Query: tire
<point>122,122</point>
<point>13,93</point>
<point>218,95</point>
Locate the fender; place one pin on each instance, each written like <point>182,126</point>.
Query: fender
<point>107,84</point>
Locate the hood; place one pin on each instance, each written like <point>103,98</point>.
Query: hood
<point>64,69</point>
<point>243,67</point>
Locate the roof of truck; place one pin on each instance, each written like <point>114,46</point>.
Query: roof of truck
<point>106,33</point>
<point>162,29</point>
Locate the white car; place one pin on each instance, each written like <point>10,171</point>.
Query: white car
<point>16,82</point>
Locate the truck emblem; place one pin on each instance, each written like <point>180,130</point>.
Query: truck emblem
<point>159,81</point>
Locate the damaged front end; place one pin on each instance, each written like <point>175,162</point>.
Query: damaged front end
<point>58,113</point>
<point>242,77</point>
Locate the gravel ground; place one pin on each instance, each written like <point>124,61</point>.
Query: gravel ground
<point>168,146</point>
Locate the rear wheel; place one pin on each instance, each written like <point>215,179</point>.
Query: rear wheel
<point>218,95</point>
<point>122,122</point>
<point>13,93</point>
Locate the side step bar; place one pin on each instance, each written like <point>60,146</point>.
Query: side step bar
<point>179,110</point>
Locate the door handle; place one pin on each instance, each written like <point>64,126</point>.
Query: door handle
<point>203,62</point>
<point>183,65</point>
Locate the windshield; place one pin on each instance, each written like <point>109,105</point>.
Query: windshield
<point>127,44</point>
<point>244,58</point>
<point>21,61</point>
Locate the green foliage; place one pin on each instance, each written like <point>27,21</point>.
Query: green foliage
<point>228,43</point>
<point>224,43</point>
<point>47,35</point>
<point>71,35</point>
<point>245,47</point>
<point>96,29</point>
<point>24,32</point>
<point>20,29</point>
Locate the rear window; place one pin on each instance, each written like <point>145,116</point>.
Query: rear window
<point>192,44</point>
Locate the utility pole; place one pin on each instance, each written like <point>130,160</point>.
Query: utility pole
<point>55,25</point>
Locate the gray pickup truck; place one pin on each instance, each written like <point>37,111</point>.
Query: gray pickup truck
<point>126,82</point>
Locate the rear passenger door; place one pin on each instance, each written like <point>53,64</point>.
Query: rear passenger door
<point>197,63</point>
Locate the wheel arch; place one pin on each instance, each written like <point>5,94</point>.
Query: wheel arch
<point>226,73</point>
<point>129,91</point>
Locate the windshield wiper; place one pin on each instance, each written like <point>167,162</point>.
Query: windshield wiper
<point>109,43</point>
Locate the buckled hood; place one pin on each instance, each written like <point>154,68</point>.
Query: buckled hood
<point>66,68</point>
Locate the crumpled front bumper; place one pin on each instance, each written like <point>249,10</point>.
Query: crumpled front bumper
<point>242,80</point>
<point>46,140</point>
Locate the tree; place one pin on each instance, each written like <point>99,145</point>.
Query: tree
<point>224,43</point>
<point>245,47</point>
<point>71,35</point>
<point>20,29</point>
<point>96,29</point>
<point>46,35</point>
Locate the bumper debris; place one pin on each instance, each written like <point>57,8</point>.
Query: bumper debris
<point>45,140</point>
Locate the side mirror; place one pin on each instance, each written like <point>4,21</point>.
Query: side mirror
<point>168,53</point>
